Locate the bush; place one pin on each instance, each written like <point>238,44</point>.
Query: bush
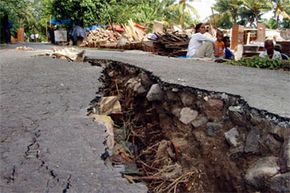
<point>257,62</point>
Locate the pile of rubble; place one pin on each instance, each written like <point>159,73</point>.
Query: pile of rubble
<point>180,139</point>
<point>110,38</point>
<point>171,44</point>
<point>101,37</point>
<point>69,54</point>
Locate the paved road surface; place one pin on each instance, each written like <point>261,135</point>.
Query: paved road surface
<point>263,89</point>
<point>48,144</point>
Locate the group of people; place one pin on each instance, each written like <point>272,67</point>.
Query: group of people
<point>201,45</point>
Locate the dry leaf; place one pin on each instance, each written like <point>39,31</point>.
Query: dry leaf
<point>110,105</point>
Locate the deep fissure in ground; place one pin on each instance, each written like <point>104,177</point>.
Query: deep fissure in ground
<point>185,139</point>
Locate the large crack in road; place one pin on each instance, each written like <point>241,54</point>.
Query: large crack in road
<point>184,139</point>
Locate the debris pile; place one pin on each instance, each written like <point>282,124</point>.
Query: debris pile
<point>127,36</point>
<point>100,37</point>
<point>134,32</point>
<point>69,54</point>
<point>171,44</point>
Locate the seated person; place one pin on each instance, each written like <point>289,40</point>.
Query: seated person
<point>228,53</point>
<point>269,51</point>
<point>199,45</point>
<point>219,45</point>
<point>278,48</point>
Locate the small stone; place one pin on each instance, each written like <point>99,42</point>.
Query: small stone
<point>235,109</point>
<point>215,104</point>
<point>284,124</point>
<point>111,74</point>
<point>252,141</point>
<point>131,70</point>
<point>145,80</point>
<point>175,89</point>
<point>213,109</point>
<point>271,143</point>
<point>280,183</point>
<point>224,96</point>
<point>232,136</point>
<point>199,121</point>
<point>176,111</point>
<point>155,93</point>
<point>213,128</point>
<point>187,115</point>
<point>139,89</point>
<point>261,171</point>
<point>279,132</point>
<point>237,116</point>
<point>172,96</point>
<point>187,99</point>
<point>180,144</point>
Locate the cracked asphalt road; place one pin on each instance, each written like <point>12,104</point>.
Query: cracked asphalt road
<point>48,144</point>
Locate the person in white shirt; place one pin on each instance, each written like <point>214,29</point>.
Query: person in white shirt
<point>269,51</point>
<point>200,45</point>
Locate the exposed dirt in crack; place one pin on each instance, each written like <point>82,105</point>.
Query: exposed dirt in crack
<point>181,139</point>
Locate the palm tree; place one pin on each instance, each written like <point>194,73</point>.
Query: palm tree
<point>281,7</point>
<point>228,7</point>
<point>184,8</point>
<point>255,9</point>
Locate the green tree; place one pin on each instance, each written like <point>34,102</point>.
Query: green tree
<point>221,20</point>
<point>185,9</point>
<point>143,11</point>
<point>240,11</point>
<point>271,23</point>
<point>281,7</point>
<point>228,9</point>
<point>20,13</point>
<point>80,11</point>
<point>254,9</point>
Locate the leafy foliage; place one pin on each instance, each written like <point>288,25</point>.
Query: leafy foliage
<point>249,12</point>
<point>257,62</point>
<point>228,8</point>
<point>120,11</point>
<point>80,11</point>
<point>142,11</point>
<point>19,12</point>
<point>34,14</point>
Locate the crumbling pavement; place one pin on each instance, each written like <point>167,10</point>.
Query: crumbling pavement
<point>182,139</point>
